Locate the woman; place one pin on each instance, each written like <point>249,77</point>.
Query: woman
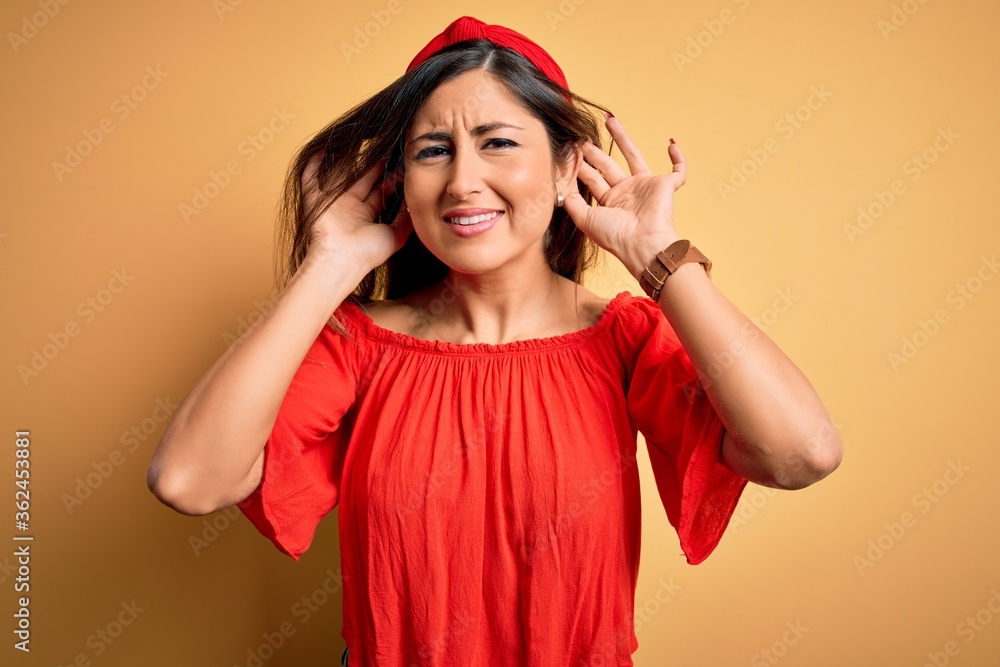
<point>477,428</point>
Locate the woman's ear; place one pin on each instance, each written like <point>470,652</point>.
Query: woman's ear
<point>399,175</point>
<point>566,173</point>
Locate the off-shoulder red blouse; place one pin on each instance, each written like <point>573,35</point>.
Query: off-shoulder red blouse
<point>488,495</point>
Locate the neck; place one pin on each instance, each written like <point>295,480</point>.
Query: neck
<point>496,307</point>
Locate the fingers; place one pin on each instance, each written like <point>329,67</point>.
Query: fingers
<point>370,189</point>
<point>362,188</point>
<point>680,165</point>
<point>376,198</point>
<point>601,164</point>
<point>312,166</point>
<point>636,164</point>
<point>576,206</point>
<point>402,226</point>
<point>593,179</point>
<point>309,183</point>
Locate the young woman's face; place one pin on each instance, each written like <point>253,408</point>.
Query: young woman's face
<point>471,146</point>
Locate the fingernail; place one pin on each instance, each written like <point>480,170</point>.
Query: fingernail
<point>608,115</point>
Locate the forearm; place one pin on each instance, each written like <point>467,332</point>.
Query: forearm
<point>771,412</point>
<point>217,434</point>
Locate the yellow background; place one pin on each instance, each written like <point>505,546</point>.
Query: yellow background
<point>837,299</point>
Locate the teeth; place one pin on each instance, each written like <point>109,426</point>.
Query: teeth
<point>476,219</point>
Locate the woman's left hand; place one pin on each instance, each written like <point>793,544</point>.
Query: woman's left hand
<point>633,217</point>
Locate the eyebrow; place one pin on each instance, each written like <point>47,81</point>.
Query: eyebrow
<point>476,131</point>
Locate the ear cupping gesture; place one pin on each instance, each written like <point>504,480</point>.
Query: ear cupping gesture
<point>347,225</point>
<point>633,214</point>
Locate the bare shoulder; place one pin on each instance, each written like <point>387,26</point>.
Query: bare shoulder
<point>591,306</point>
<point>388,314</point>
<point>403,315</point>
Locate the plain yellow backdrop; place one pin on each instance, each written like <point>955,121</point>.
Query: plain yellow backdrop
<point>842,176</point>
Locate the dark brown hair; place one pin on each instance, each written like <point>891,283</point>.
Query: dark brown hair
<point>377,127</point>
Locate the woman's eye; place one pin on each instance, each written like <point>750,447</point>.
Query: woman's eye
<point>501,142</point>
<point>437,151</point>
<point>432,151</point>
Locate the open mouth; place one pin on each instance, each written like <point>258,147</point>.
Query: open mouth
<point>473,220</point>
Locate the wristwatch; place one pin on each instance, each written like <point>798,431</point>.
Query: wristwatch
<point>666,262</point>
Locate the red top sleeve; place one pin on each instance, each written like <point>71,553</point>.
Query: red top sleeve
<point>668,405</point>
<point>304,454</point>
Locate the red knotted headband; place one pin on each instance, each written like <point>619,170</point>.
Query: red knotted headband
<point>468,27</point>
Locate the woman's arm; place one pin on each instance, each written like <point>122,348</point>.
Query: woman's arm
<point>211,455</point>
<point>212,452</point>
<point>777,431</point>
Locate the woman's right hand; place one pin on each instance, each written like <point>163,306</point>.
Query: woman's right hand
<point>347,228</point>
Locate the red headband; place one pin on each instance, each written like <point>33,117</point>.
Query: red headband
<point>468,27</point>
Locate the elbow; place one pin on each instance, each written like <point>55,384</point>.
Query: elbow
<point>812,460</point>
<point>172,490</point>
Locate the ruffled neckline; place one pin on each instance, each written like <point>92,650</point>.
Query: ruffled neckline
<point>371,330</point>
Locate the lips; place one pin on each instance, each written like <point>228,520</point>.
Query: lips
<point>467,212</point>
<point>467,223</point>
<point>465,220</point>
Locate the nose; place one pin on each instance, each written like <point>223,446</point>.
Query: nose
<point>465,178</point>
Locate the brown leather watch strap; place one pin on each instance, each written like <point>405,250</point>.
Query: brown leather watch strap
<point>666,262</point>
